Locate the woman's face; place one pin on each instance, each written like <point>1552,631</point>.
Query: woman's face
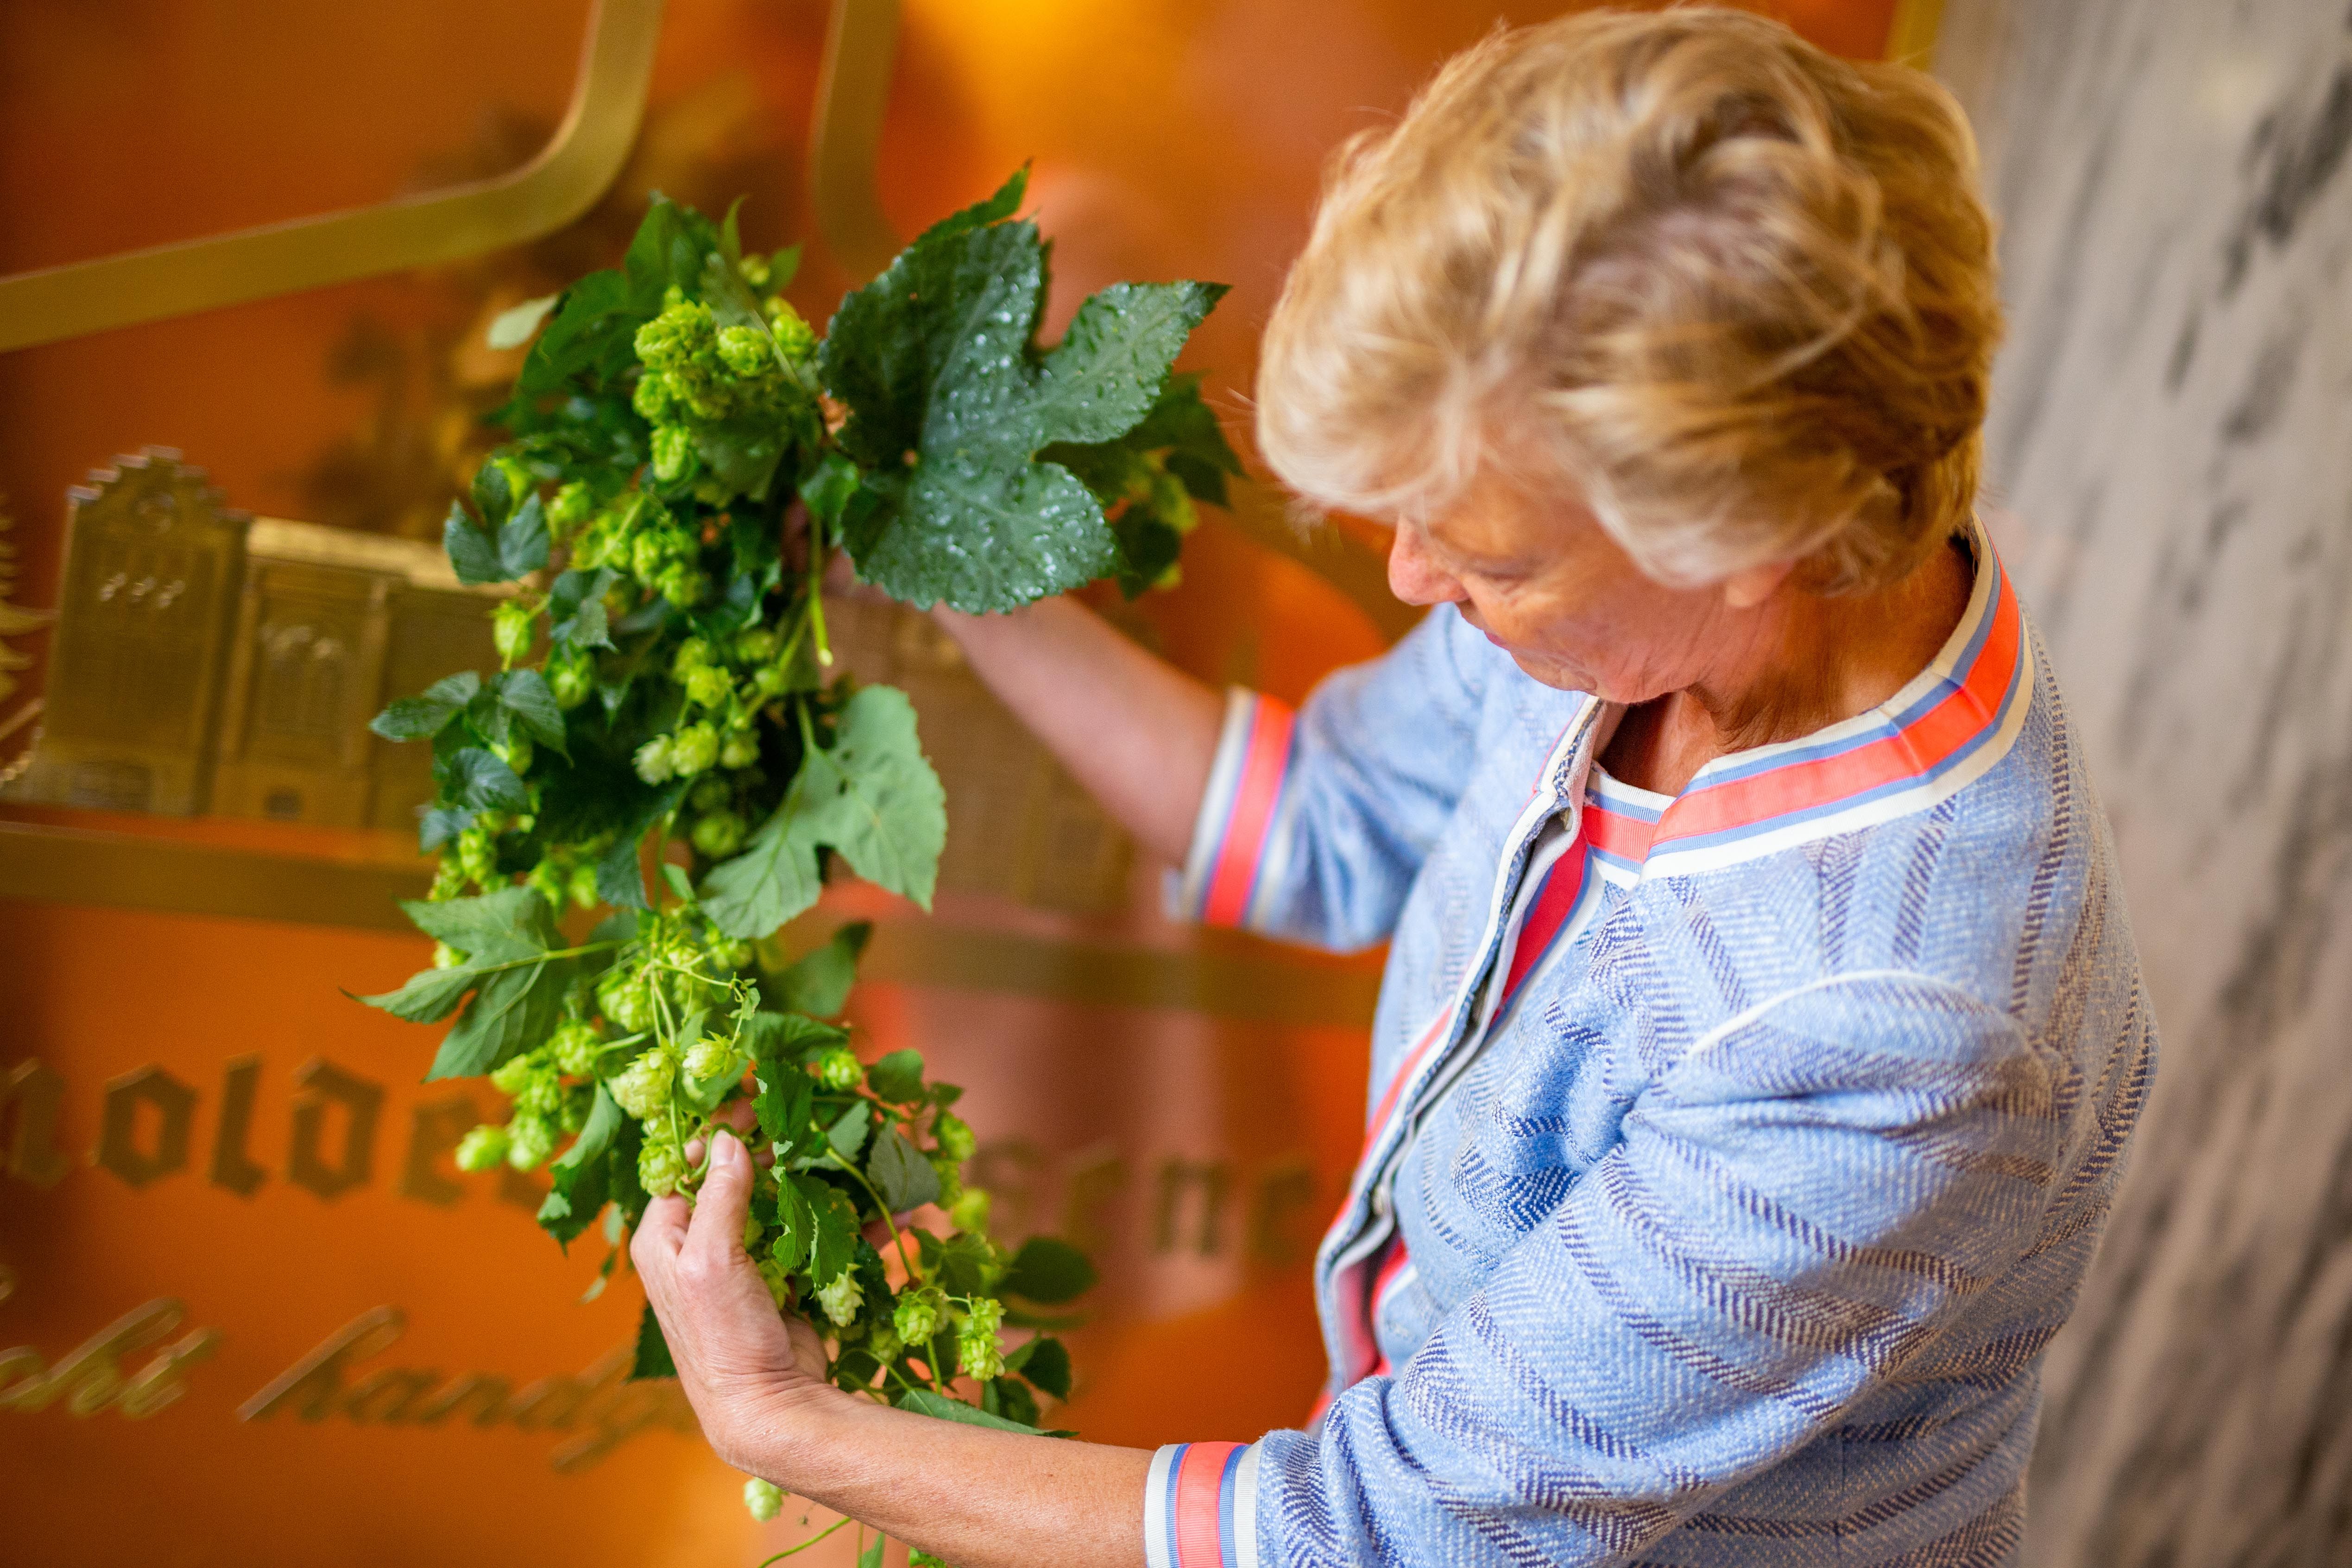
<point>1547,584</point>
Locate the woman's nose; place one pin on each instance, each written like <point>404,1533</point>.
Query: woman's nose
<point>1414,576</point>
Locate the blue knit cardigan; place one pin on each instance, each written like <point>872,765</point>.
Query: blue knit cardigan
<point>1730,1158</point>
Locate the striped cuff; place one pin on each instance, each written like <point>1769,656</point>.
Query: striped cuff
<point>1200,1507</point>
<point>1235,834</point>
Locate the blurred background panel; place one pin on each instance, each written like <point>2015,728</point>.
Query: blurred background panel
<point>223,1189</point>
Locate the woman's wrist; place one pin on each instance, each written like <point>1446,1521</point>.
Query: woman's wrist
<point>780,1431</point>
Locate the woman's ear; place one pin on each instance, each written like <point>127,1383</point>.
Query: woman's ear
<point>1747,589</point>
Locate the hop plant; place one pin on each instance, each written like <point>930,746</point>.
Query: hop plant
<point>979,1352</point>
<point>842,1298</point>
<point>916,1316</point>
<point>660,1168</point>
<point>763,1499</point>
<point>482,1149</point>
<point>665,679</point>
<point>643,1088</point>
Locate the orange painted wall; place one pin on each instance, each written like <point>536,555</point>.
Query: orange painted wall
<point>1168,139</point>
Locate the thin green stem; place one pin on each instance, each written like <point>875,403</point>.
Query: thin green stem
<point>540,957</point>
<point>812,1541</point>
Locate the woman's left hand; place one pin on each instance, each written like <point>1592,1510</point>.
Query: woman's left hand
<point>756,1379</point>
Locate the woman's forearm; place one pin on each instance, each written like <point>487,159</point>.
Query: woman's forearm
<point>1135,731</point>
<point>977,1497</point>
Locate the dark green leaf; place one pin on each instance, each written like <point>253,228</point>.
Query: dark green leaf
<point>421,717</point>
<point>835,1229</point>
<point>473,553</point>
<point>965,1263</point>
<point>785,1092</point>
<point>795,1226</point>
<point>522,540</point>
<point>428,996</point>
<point>1046,1362</point>
<point>494,496</point>
<point>475,778</point>
<point>933,360</point>
<point>507,923</point>
<point>924,1402</point>
<point>575,609</point>
<point>653,1358</point>
<point>583,1175</point>
<point>1013,1401</point>
<point>996,208</point>
<point>438,826</point>
<point>1050,1271</point>
<point>818,983</point>
<point>524,695</point>
<point>620,879</point>
<point>679,882</point>
<point>847,1134</point>
<point>515,1010</point>
<point>903,1177</point>
<point>897,1077</point>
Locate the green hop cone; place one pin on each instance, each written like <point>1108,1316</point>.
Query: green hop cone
<point>446,956</point>
<point>763,1499</point>
<point>969,1209</point>
<point>840,1069</point>
<point>692,750</point>
<point>842,1298</point>
<point>581,886</point>
<point>572,678</point>
<point>710,794</point>
<point>756,646</point>
<point>745,350</point>
<point>673,458</point>
<point>531,1138</point>
<point>548,879</point>
<point>917,1318</point>
<point>654,761</point>
<point>883,1343</point>
<point>516,752</point>
<point>643,1088</point>
<point>775,1276</point>
<point>682,585</point>
<point>477,854</point>
<point>574,1048</point>
<point>730,955</point>
<point>448,882</point>
<point>573,505</point>
<point>719,835</point>
<point>514,626</point>
<point>794,336</point>
<point>708,1057</point>
<point>739,750</point>
<point>482,1149</point>
<point>978,1353</point>
<point>708,686</point>
<point>509,1077</point>
<point>954,1136</point>
<point>660,1168</point>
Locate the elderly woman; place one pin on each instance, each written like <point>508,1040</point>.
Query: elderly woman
<point>1762,1029</point>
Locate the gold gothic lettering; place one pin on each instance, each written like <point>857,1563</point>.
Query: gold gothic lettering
<point>597,1410</point>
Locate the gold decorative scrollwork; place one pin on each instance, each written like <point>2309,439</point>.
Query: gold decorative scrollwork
<point>574,168</point>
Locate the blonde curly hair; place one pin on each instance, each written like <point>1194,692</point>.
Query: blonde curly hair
<point>1737,292</point>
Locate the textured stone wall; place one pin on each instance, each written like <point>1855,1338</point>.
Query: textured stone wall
<point>2172,436</point>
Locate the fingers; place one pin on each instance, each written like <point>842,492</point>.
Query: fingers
<point>738,1114</point>
<point>660,1233</point>
<point>725,1198</point>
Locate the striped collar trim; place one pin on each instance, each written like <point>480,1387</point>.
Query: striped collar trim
<point>1947,727</point>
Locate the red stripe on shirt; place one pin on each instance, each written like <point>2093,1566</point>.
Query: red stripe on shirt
<point>1192,1497</point>
<point>1266,757</point>
<point>1964,714</point>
